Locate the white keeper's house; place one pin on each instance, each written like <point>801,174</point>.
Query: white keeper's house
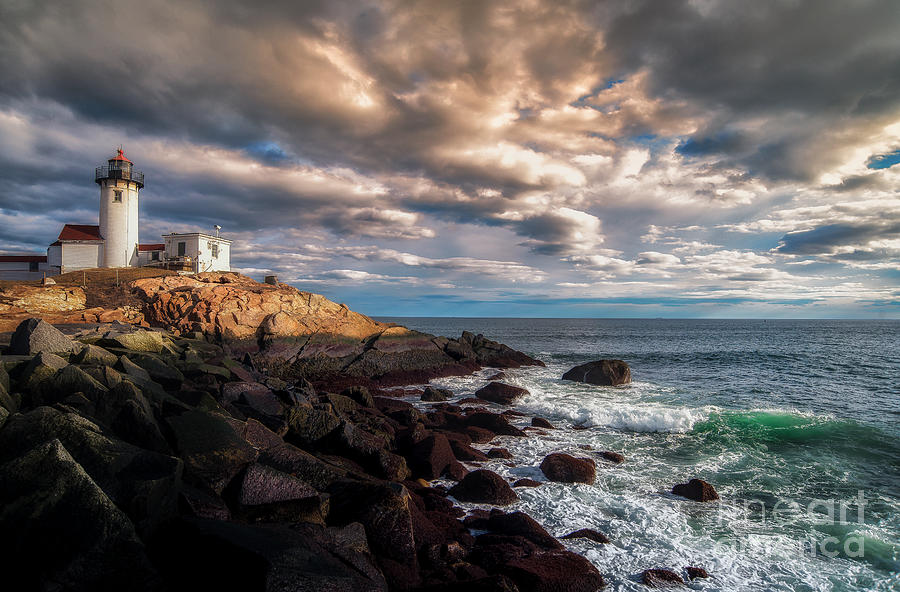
<point>114,242</point>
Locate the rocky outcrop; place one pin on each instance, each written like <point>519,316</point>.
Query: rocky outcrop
<point>297,334</point>
<point>565,468</point>
<point>697,490</point>
<point>601,372</point>
<point>158,456</point>
<point>22,298</point>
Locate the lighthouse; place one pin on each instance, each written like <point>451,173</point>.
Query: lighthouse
<point>120,185</point>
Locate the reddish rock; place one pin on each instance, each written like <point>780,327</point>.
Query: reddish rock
<point>588,533</point>
<point>523,525</point>
<point>540,422</point>
<point>493,422</point>
<point>661,578</point>
<point>565,468</point>
<point>466,453</point>
<point>431,457</point>
<point>697,490</point>
<point>527,483</point>
<point>601,372</point>
<point>613,457</point>
<point>498,392</point>
<point>499,453</point>
<point>497,376</point>
<point>484,487</point>
<point>696,572</point>
<point>554,571</point>
<point>480,435</point>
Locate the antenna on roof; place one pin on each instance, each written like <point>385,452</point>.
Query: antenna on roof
<point>218,228</point>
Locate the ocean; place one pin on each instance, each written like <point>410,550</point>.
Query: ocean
<point>796,424</point>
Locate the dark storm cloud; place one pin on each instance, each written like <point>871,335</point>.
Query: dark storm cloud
<point>825,239</point>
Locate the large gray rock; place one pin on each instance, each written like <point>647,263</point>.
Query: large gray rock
<point>601,372</point>
<point>142,483</point>
<point>128,413</point>
<point>40,368</point>
<point>34,335</point>
<point>139,341</point>
<point>212,451</point>
<point>62,532</point>
<point>159,371</point>
<point>69,381</point>
<point>95,355</point>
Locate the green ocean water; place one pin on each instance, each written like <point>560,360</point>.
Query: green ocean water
<point>796,423</point>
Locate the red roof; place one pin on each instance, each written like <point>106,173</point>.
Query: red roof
<point>120,155</point>
<point>80,232</point>
<point>152,247</point>
<point>23,258</point>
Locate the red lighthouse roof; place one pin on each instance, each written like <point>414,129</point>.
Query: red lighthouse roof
<point>120,156</point>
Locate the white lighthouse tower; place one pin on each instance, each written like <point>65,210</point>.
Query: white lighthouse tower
<point>119,187</point>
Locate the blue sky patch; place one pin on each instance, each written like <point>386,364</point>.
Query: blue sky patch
<point>884,161</point>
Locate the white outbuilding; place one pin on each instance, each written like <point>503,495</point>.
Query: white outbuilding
<point>114,242</point>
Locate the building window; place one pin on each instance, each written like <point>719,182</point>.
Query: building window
<point>117,195</point>
<point>154,256</point>
<point>215,251</point>
<point>32,266</point>
<point>182,248</point>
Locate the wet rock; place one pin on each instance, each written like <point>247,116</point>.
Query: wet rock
<point>480,435</point>
<point>601,372</point>
<point>554,571</point>
<point>697,490</point>
<point>64,532</point>
<point>34,336</point>
<point>613,457</point>
<point>588,533</point>
<point>495,423</point>
<point>212,451</point>
<point>431,457</point>
<point>466,453</point>
<point>523,525</point>
<point>498,392</point>
<point>540,422</point>
<point>499,453</point>
<point>484,487</point>
<point>696,572</point>
<point>527,483</point>
<point>497,376</point>
<point>564,468</point>
<point>661,578</point>
<point>215,555</point>
<point>434,395</point>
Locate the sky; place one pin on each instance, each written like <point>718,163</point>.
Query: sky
<point>533,158</point>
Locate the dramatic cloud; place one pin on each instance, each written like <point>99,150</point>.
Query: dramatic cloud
<point>429,157</point>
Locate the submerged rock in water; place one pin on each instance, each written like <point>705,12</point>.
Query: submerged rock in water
<point>498,392</point>
<point>661,578</point>
<point>565,468</point>
<point>601,372</point>
<point>588,533</point>
<point>697,490</point>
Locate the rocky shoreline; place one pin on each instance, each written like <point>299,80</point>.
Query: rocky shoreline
<point>216,452</point>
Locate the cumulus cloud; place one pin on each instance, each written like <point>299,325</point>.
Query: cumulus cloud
<point>473,145</point>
